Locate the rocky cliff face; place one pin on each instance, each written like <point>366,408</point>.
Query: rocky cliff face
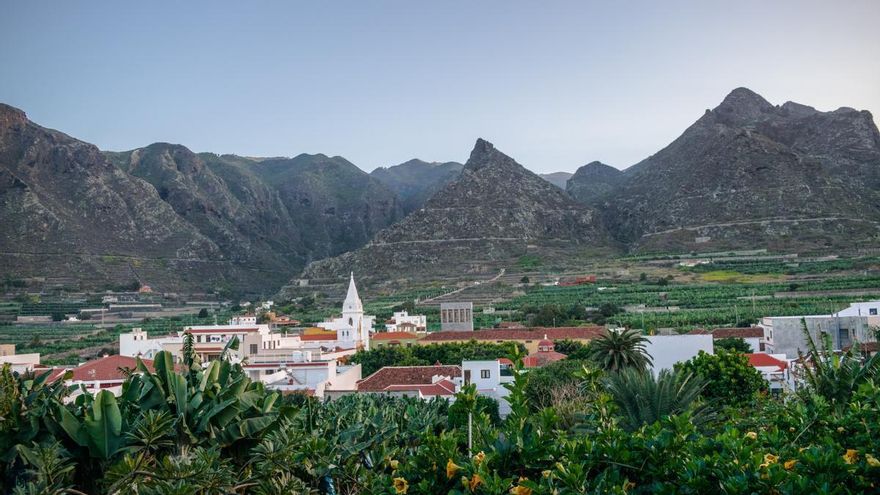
<point>170,218</point>
<point>415,181</point>
<point>67,211</point>
<point>495,211</point>
<point>751,174</point>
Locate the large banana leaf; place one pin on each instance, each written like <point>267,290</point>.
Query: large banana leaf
<point>103,425</point>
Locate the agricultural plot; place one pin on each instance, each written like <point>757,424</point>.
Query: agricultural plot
<point>68,343</point>
<point>686,306</point>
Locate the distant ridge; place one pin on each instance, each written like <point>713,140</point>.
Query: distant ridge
<point>748,174</point>
<point>415,181</point>
<point>496,210</point>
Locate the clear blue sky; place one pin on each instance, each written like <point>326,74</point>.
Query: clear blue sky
<point>553,84</point>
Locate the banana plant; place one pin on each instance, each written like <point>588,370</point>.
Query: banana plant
<point>100,430</point>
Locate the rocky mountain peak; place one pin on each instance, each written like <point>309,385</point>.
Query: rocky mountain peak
<point>591,183</point>
<point>11,116</point>
<point>742,106</point>
<point>484,154</point>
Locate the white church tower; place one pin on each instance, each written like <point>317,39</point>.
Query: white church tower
<point>355,328</point>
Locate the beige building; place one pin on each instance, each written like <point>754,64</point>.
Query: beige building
<point>529,337</point>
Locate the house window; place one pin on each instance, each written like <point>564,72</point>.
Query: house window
<point>485,374</point>
<point>254,348</point>
<point>843,338</point>
<point>872,311</point>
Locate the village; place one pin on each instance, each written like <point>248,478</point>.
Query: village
<point>316,360</point>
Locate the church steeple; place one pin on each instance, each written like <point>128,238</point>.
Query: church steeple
<point>352,302</point>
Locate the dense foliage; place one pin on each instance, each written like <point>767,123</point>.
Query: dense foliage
<point>195,430</point>
<point>729,376</point>
<point>733,344</point>
<point>423,355</point>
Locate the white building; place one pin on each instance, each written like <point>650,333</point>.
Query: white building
<point>489,378</point>
<point>871,309</point>
<point>404,322</point>
<point>667,350</point>
<point>353,328</point>
<point>245,319</point>
<point>18,363</point>
<point>137,343</point>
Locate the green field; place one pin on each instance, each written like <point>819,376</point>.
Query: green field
<point>62,343</point>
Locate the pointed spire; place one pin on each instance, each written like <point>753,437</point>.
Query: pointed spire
<point>352,300</point>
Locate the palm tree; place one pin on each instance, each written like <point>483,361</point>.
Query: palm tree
<point>615,351</point>
<point>643,400</point>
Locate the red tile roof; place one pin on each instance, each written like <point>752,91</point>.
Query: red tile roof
<point>542,358</point>
<point>766,360</point>
<point>440,388</point>
<point>394,336</point>
<point>405,375</point>
<point>535,333</point>
<point>222,330</point>
<point>103,369</point>
<point>318,336</point>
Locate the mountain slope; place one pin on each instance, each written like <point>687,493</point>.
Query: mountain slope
<point>494,212</point>
<point>415,181</point>
<point>337,206</point>
<point>593,182</point>
<point>751,174</point>
<point>68,213</point>
<point>165,216</point>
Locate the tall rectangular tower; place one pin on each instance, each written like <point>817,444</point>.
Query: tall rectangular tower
<point>457,317</point>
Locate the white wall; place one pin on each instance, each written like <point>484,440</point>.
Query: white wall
<point>147,348</point>
<point>476,367</point>
<point>21,363</point>
<point>666,350</point>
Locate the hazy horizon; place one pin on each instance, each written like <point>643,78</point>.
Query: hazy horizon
<point>554,86</point>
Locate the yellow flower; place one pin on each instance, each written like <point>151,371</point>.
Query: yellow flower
<point>769,459</point>
<point>520,490</point>
<point>393,463</point>
<point>546,473</point>
<point>752,435</point>
<point>789,465</point>
<point>791,429</point>
<point>400,485</point>
<point>478,459</point>
<point>851,456</point>
<point>629,485</point>
<point>872,461</point>
<point>475,481</point>
<point>451,468</point>
<point>839,429</point>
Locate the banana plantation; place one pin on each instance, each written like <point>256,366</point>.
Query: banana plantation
<point>207,429</point>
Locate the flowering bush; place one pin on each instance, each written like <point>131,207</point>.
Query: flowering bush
<point>252,441</point>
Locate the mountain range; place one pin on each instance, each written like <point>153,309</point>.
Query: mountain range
<point>746,174</point>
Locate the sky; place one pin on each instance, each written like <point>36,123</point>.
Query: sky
<point>553,84</point>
